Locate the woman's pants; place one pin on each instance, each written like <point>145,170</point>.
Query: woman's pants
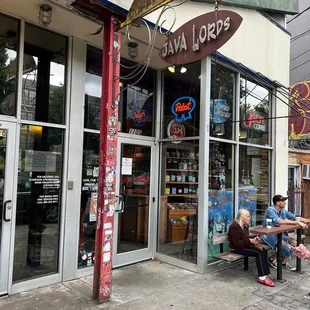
<point>260,256</point>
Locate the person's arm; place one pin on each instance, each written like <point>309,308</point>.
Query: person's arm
<point>305,220</point>
<point>291,219</point>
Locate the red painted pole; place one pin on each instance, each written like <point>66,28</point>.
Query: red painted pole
<point>102,284</point>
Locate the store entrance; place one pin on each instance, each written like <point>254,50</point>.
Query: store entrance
<point>132,226</point>
<point>7,158</point>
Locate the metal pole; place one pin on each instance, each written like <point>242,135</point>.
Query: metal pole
<point>102,284</point>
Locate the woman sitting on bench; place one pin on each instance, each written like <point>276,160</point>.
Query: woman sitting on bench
<point>241,243</point>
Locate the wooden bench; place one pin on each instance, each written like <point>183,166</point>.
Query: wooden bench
<point>230,257</point>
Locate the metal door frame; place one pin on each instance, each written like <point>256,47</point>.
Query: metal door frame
<point>8,228</point>
<point>146,253</point>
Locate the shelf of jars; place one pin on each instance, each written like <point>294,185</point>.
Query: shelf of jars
<point>181,171</point>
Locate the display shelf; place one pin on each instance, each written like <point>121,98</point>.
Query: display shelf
<point>181,170</point>
<point>182,195</point>
<point>180,183</point>
<point>182,158</point>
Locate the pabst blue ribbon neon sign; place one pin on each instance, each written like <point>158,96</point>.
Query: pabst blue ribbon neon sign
<point>182,108</point>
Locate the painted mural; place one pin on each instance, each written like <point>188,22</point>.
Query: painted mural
<point>299,127</point>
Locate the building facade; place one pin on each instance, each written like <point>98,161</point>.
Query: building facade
<point>183,173</point>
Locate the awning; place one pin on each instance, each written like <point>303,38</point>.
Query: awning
<point>256,76</point>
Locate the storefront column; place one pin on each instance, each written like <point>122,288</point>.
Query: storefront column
<point>202,255</point>
<point>102,284</point>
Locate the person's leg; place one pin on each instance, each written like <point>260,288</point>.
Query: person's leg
<point>260,257</point>
<point>286,254</point>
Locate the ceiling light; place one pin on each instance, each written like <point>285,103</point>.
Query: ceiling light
<point>171,69</point>
<point>183,69</point>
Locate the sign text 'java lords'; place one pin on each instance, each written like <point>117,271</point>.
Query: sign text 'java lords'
<point>200,37</point>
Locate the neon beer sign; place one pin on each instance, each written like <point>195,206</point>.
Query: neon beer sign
<point>182,108</point>
<point>254,121</point>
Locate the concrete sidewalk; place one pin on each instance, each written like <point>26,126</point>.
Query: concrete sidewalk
<point>155,285</point>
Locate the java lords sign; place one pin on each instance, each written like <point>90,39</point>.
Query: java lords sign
<point>200,37</point>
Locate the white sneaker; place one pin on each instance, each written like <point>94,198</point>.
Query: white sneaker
<point>287,266</point>
<point>273,263</point>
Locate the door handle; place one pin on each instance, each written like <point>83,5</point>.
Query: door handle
<point>4,211</point>
<point>120,204</point>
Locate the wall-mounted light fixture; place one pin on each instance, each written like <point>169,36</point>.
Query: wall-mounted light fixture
<point>45,15</point>
<point>183,69</point>
<point>132,50</point>
<point>171,69</point>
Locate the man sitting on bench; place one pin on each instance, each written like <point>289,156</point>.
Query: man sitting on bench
<point>241,243</point>
<point>279,215</point>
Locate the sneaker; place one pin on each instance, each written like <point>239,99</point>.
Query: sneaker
<point>287,266</point>
<point>273,263</point>
<point>307,296</point>
<point>267,282</point>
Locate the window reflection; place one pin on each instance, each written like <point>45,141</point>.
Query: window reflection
<point>93,85</point>
<point>254,182</point>
<point>38,202</point>
<point>8,65</point>
<point>89,193</point>
<point>254,113</point>
<point>222,102</point>
<point>43,88</point>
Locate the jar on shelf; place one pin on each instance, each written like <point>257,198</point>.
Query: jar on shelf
<point>167,177</point>
<point>172,177</point>
<point>173,190</point>
<point>185,166</point>
<point>190,178</point>
<point>180,190</point>
<point>167,191</point>
<point>180,165</point>
<point>179,178</point>
<point>183,177</point>
<point>194,178</point>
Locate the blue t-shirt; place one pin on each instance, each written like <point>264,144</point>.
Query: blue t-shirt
<point>276,216</point>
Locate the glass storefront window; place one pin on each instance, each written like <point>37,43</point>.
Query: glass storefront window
<point>9,41</point>
<point>137,101</point>
<point>44,68</point>
<point>181,102</point>
<point>93,85</point>
<point>179,200</point>
<point>221,192</point>
<point>89,191</point>
<point>38,202</point>
<point>223,100</point>
<point>254,186</point>
<point>254,113</point>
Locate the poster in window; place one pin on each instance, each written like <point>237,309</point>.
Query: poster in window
<point>93,207</point>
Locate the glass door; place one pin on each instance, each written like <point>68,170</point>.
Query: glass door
<point>133,225</point>
<point>7,158</point>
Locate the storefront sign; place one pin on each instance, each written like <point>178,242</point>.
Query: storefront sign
<point>141,8</point>
<point>182,108</point>
<point>175,130</point>
<point>254,121</point>
<point>200,37</point>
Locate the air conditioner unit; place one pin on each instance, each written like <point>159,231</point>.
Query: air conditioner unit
<point>306,173</point>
